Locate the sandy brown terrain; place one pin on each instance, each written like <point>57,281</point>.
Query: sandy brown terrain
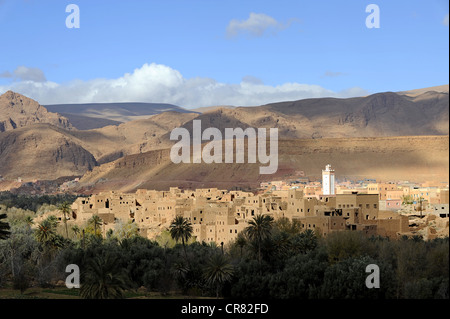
<point>42,151</point>
<point>388,158</point>
<point>385,135</point>
<point>115,112</point>
<point>439,88</point>
<point>18,111</point>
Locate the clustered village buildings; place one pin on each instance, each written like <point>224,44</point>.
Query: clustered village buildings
<point>220,215</point>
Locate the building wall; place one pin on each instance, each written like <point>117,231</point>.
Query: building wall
<point>219,216</point>
<point>444,196</point>
<point>381,189</point>
<point>367,203</point>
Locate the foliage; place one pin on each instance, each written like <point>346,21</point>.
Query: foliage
<point>4,227</point>
<point>33,203</point>
<point>65,209</point>
<point>259,229</point>
<point>125,230</point>
<point>104,278</point>
<point>217,272</point>
<point>271,259</point>
<point>182,229</point>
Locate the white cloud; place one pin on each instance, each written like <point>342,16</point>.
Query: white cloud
<point>445,21</point>
<point>29,74</point>
<point>162,84</point>
<point>256,25</point>
<point>6,74</point>
<point>23,73</point>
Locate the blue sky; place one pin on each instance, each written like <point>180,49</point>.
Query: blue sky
<point>213,52</point>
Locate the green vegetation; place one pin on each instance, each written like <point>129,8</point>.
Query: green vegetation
<point>4,227</point>
<point>64,207</point>
<point>181,228</point>
<point>33,203</point>
<point>271,259</point>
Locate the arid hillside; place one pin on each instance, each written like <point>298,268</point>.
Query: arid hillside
<point>18,111</point>
<point>384,135</point>
<point>42,151</point>
<point>386,158</point>
<point>112,142</point>
<point>114,112</point>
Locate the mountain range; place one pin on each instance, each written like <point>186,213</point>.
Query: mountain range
<point>397,135</point>
<point>96,115</point>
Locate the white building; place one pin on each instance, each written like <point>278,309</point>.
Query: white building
<point>328,187</point>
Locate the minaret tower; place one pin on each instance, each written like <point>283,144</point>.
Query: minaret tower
<point>328,181</point>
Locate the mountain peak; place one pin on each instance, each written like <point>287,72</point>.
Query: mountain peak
<point>17,110</point>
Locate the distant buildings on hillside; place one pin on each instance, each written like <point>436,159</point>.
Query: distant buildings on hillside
<point>216,215</point>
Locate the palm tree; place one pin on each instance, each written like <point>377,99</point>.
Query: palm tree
<point>4,228</point>
<point>95,221</point>
<point>45,231</point>
<point>76,230</point>
<point>29,221</point>
<point>179,270</point>
<point>259,229</point>
<point>182,229</point>
<point>306,241</point>
<point>65,209</point>
<point>104,278</point>
<point>46,234</point>
<point>241,241</point>
<point>218,271</point>
<point>53,221</point>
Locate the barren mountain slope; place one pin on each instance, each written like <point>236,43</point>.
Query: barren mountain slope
<point>17,111</point>
<point>439,88</point>
<point>386,158</point>
<point>379,115</point>
<point>42,151</point>
<point>81,122</point>
<point>121,112</point>
<point>112,142</point>
<point>382,114</point>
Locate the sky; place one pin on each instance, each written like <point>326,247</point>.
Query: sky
<point>196,53</point>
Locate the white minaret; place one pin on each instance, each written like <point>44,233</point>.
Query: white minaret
<point>328,181</point>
